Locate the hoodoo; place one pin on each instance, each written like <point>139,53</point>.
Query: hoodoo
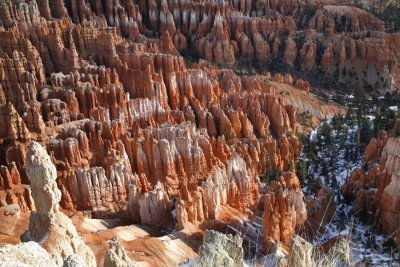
<point>143,132</point>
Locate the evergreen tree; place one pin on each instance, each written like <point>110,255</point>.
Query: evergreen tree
<point>272,172</point>
<point>378,123</point>
<point>301,170</point>
<point>365,131</point>
<point>334,152</point>
<point>324,170</point>
<point>334,182</point>
<point>357,146</point>
<point>326,132</point>
<point>347,152</point>
<point>315,185</point>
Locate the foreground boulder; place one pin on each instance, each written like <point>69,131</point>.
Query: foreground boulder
<point>116,255</point>
<point>303,254</point>
<point>300,254</point>
<point>48,225</point>
<point>25,254</point>
<point>74,260</point>
<point>221,250</point>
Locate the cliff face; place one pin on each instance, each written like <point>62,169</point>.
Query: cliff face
<point>137,132</point>
<point>375,191</point>
<point>346,43</point>
<point>343,42</point>
<point>389,218</point>
<point>132,130</point>
<point>284,212</point>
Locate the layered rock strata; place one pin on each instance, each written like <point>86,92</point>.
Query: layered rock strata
<point>144,134</point>
<point>136,132</point>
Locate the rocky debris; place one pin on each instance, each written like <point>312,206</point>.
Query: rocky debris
<point>220,250</point>
<point>25,254</point>
<point>116,255</point>
<point>48,225</point>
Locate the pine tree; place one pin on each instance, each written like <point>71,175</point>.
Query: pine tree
<point>301,170</point>
<point>357,146</point>
<point>315,185</point>
<point>324,170</point>
<point>334,182</point>
<point>272,172</point>
<point>347,152</point>
<point>365,131</point>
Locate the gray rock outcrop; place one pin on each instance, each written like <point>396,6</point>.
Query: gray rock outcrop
<point>116,255</point>
<point>221,250</point>
<point>25,254</point>
<point>300,253</point>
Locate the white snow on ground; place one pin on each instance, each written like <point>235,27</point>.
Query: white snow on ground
<point>313,134</point>
<point>366,244</point>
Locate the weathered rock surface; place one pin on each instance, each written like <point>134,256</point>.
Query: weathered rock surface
<point>388,211</point>
<point>25,254</point>
<point>374,191</point>
<point>300,253</point>
<point>116,255</point>
<point>320,210</point>
<point>284,212</point>
<point>9,216</point>
<point>136,132</point>
<point>48,225</point>
<point>74,260</point>
<point>221,250</point>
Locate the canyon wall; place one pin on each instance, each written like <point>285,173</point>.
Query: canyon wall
<point>134,131</point>
<point>139,123</point>
<point>373,188</point>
